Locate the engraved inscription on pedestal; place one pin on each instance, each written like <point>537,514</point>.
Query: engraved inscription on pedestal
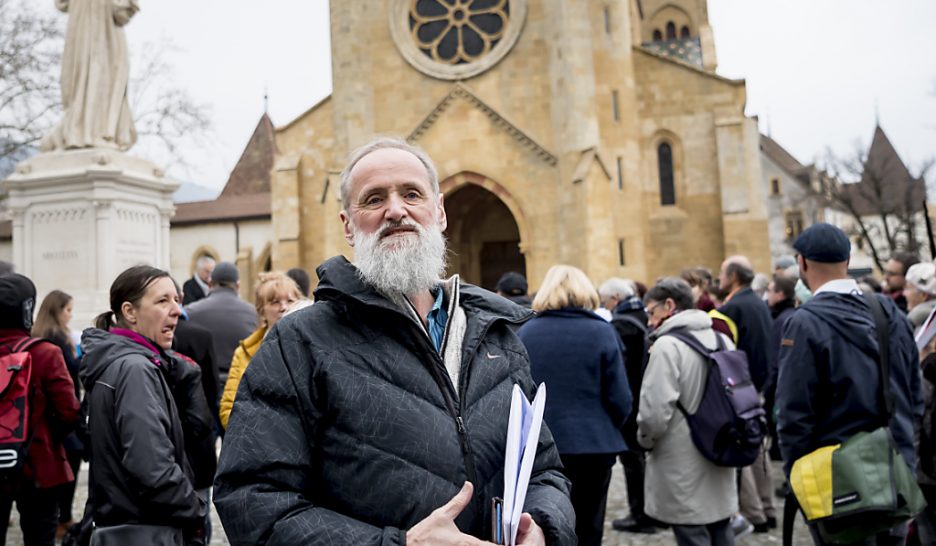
<point>136,230</point>
<point>62,233</point>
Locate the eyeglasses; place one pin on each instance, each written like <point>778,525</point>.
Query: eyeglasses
<point>892,273</point>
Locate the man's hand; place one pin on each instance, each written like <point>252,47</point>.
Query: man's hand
<point>439,527</point>
<point>529,533</point>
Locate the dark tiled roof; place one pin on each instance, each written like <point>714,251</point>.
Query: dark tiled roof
<point>223,209</point>
<point>252,172</point>
<point>780,156</point>
<point>687,50</point>
<point>886,184</point>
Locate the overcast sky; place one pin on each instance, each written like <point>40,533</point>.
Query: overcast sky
<point>815,69</point>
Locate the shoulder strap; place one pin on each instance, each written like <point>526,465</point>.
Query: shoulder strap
<point>695,344</point>
<point>24,344</point>
<point>883,333</point>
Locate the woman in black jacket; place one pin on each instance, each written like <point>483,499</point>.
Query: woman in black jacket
<point>141,481</point>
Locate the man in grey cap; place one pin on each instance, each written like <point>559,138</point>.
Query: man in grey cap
<point>829,385</point>
<point>229,318</point>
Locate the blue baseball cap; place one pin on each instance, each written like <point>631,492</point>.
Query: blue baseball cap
<point>823,243</point>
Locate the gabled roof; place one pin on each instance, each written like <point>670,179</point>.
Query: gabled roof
<point>780,156</point>
<point>252,173</point>
<point>460,91</point>
<point>886,184</point>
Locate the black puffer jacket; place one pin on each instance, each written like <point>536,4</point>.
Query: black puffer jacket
<point>345,429</point>
<point>139,472</point>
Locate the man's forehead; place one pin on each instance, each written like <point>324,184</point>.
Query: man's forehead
<point>391,164</point>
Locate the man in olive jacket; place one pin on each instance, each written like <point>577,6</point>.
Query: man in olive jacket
<point>379,414</point>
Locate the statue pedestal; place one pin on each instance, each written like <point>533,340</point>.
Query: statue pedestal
<point>80,217</point>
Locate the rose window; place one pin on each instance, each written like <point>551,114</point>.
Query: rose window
<point>458,32</point>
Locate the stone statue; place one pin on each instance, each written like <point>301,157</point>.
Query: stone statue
<point>95,71</point>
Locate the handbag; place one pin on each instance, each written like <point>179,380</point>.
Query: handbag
<point>862,486</point>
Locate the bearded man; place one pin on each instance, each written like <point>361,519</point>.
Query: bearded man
<point>379,414</point>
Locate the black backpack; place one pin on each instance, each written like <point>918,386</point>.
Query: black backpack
<point>729,425</point>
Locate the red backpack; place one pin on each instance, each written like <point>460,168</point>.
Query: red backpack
<point>15,433</point>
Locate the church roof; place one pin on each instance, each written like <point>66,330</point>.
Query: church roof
<point>687,50</point>
<point>886,184</point>
<point>252,173</point>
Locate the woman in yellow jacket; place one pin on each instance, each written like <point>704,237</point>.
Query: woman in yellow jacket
<point>275,294</point>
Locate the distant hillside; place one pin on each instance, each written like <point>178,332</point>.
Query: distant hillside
<point>189,192</point>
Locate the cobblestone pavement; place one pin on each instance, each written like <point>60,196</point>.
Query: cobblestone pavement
<point>617,508</point>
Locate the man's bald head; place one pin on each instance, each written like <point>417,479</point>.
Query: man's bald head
<point>736,272</point>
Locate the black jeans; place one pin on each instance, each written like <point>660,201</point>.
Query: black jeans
<point>590,476</point>
<point>66,494</point>
<point>38,511</point>
<point>633,463</point>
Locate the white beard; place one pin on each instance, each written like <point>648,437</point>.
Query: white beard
<point>406,264</point>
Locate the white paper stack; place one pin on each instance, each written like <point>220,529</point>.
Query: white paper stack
<point>523,431</point>
<point>927,331</point>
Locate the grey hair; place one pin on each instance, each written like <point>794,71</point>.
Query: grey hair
<point>202,260</point>
<point>672,288</point>
<point>380,143</point>
<point>616,287</point>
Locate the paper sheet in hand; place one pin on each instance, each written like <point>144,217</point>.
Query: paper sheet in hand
<point>523,430</point>
<point>927,331</point>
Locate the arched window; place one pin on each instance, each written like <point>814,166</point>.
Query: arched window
<point>657,36</point>
<point>684,33</point>
<point>670,30</point>
<point>665,163</point>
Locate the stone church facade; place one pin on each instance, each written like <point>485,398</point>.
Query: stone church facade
<point>588,132</point>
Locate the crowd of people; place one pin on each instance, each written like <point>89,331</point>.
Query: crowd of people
<point>377,415</point>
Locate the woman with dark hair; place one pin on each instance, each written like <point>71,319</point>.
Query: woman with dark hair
<point>141,482</point>
<point>580,357</point>
<point>52,324</point>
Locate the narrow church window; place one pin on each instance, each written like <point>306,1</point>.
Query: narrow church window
<point>657,35</point>
<point>607,20</point>
<point>684,33</point>
<point>614,106</point>
<point>670,30</point>
<point>665,162</point>
<point>775,186</point>
<point>621,260</point>
<point>620,174</point>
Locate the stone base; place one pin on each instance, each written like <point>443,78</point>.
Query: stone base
<point>81,217</point>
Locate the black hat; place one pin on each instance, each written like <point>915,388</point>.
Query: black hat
<point>512,284</point>
<point>17,301</point>
<point>823,243</point>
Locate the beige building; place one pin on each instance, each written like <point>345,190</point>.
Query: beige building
<point>594,133</point>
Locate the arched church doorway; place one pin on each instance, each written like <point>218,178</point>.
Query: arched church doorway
<point>483,236</point>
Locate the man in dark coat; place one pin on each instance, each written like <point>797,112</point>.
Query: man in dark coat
<point>895,277</point>
<point>229,318</point>
<point>54,413</point>
<point>379,414</point>
<point>781,298</point>
<point>752,318</point>
<point>629,318</point>
<point>197,343</point>
<point>198,286</point>
<point>829,382</point>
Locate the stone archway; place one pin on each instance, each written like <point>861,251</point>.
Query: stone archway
<point>484,233</point>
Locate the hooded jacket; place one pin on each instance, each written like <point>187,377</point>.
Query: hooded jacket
<point>348,430</point>
<point>829,382</point>
<point>139,473</point>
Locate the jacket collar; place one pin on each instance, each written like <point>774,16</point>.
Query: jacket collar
<point>339,280</point>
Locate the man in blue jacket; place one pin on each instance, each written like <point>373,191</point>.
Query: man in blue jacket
<point>829,384</point>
